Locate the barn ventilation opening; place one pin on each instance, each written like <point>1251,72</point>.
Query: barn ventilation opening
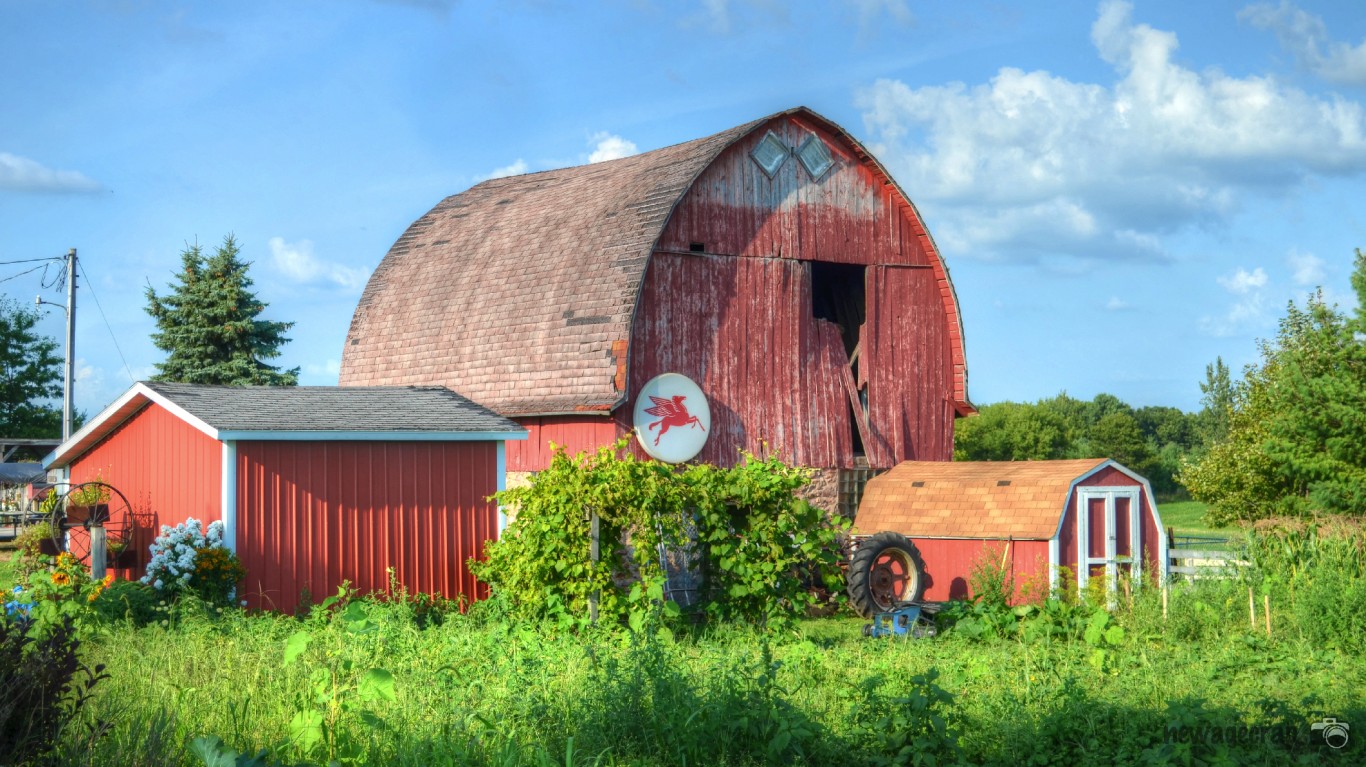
<point>838,295</point>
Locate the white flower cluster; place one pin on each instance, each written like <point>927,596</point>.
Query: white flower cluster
<point>173,553</point>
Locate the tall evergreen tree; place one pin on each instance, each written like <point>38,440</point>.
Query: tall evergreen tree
<point>32,376</point>
<point>209,324</point>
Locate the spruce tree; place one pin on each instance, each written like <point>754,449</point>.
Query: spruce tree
<point>209,324</point>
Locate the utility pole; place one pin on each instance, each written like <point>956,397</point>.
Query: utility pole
<point>68,390</point>
<point>68,401</point>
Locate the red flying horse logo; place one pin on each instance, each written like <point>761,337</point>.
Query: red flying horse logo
<point>672,413</point>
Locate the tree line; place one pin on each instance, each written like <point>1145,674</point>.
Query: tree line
<point>1153,441</point>
<point>1286,439</point>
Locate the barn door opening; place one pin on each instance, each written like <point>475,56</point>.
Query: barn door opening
<point>1109,544</point>
<point>838,296</point>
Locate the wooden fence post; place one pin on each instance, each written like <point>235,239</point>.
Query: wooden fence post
<point>99,550</point>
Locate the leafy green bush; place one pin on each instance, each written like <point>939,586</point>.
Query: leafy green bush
<point>40,675</point>
<point>761,549</point>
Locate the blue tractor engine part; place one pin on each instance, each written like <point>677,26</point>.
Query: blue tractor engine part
<point>904,621</point>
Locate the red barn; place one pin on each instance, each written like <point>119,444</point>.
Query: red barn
<point>314,485</point>
<point>1092,516</point>
<point>776,264</point>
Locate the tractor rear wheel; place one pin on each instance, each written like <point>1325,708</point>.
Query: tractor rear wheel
<point>885,570</point>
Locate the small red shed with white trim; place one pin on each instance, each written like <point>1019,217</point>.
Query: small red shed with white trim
<point>1092,516</point>
<point>314,485</point>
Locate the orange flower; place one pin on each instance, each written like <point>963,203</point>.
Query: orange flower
<point>60,578</point>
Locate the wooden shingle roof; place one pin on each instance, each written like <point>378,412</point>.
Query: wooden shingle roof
<point>515,291</point>
<point>972,499</point>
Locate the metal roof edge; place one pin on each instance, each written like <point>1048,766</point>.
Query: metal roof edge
<point>114,415</point>
<point>339,435</point>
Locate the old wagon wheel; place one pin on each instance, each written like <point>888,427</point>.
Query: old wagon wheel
<point>84,506</point>
<point>885,570</point>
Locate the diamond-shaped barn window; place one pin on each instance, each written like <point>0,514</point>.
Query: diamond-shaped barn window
<point>769,154</point>
<point>815,156</point>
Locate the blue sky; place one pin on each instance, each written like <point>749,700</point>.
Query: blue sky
<point>1122,191</point>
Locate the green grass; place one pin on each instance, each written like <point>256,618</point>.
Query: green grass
<point>488,693</point>
<point>1187,518</point>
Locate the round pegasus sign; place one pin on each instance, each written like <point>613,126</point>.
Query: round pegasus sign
<point>672,418</point>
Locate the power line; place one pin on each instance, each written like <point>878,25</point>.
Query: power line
<point>31,260</point>
<point>90,286</point>
<point>21,274</point>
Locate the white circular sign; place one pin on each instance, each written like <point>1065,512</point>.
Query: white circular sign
<point>672,418</point>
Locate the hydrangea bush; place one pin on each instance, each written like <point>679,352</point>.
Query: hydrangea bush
<point>190,558</point>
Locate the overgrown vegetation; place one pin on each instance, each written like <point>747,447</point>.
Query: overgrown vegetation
<point>1061,681</point>
<point>759,551</point>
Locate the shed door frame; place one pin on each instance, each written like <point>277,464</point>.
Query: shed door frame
<point>1111,561</point>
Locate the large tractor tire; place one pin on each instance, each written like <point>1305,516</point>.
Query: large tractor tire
<point>885,570</point>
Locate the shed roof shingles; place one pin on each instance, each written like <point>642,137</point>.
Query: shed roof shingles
<point>331,408</point>
<point>966,499</point>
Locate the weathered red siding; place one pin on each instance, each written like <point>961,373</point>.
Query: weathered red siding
<point>168,470</point>
<point>313,514</point>
<point>575,433</point>
<point>742,328</point>
<point>738,318</point>
<point>909,368</point>
<point>949,561</point>
<point>851,215</point>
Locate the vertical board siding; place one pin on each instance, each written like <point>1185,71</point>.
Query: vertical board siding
<point>949,561</point>
<point>907,363</point>
<point>167,469</point>
<point>314,514</point>
<point>742,328</point>
<point>850,215</point>
<point>739,320</point>
<point>575,433</point>
<point>853,214</point>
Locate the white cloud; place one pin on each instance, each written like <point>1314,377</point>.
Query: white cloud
<point>1306,37</point>
<point>1243,282</point>
<point>1307,267</point>
<point>330,368</point>
<point>517,168</point>
<point>1249,310</point>
<point>25,175</point>
<point>610,147</point>
<point>1030,163</point>
<point>295,260</point>
<point>1117,304</point>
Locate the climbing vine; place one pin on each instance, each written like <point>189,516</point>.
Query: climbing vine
<point>760,549</point>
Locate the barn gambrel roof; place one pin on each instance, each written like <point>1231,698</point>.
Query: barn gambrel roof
<point>520,292</point>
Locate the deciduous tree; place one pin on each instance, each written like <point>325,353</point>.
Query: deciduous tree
<point>1296,441</point>
<point>32,376</point>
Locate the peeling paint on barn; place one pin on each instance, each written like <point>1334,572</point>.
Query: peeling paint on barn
<point>776,264</point>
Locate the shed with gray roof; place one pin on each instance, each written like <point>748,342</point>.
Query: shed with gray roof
<point>315,485</point>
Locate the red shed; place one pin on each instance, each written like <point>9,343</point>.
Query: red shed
<point>314,485</point>
<point>1033,514</point>
<point>776,264</point>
